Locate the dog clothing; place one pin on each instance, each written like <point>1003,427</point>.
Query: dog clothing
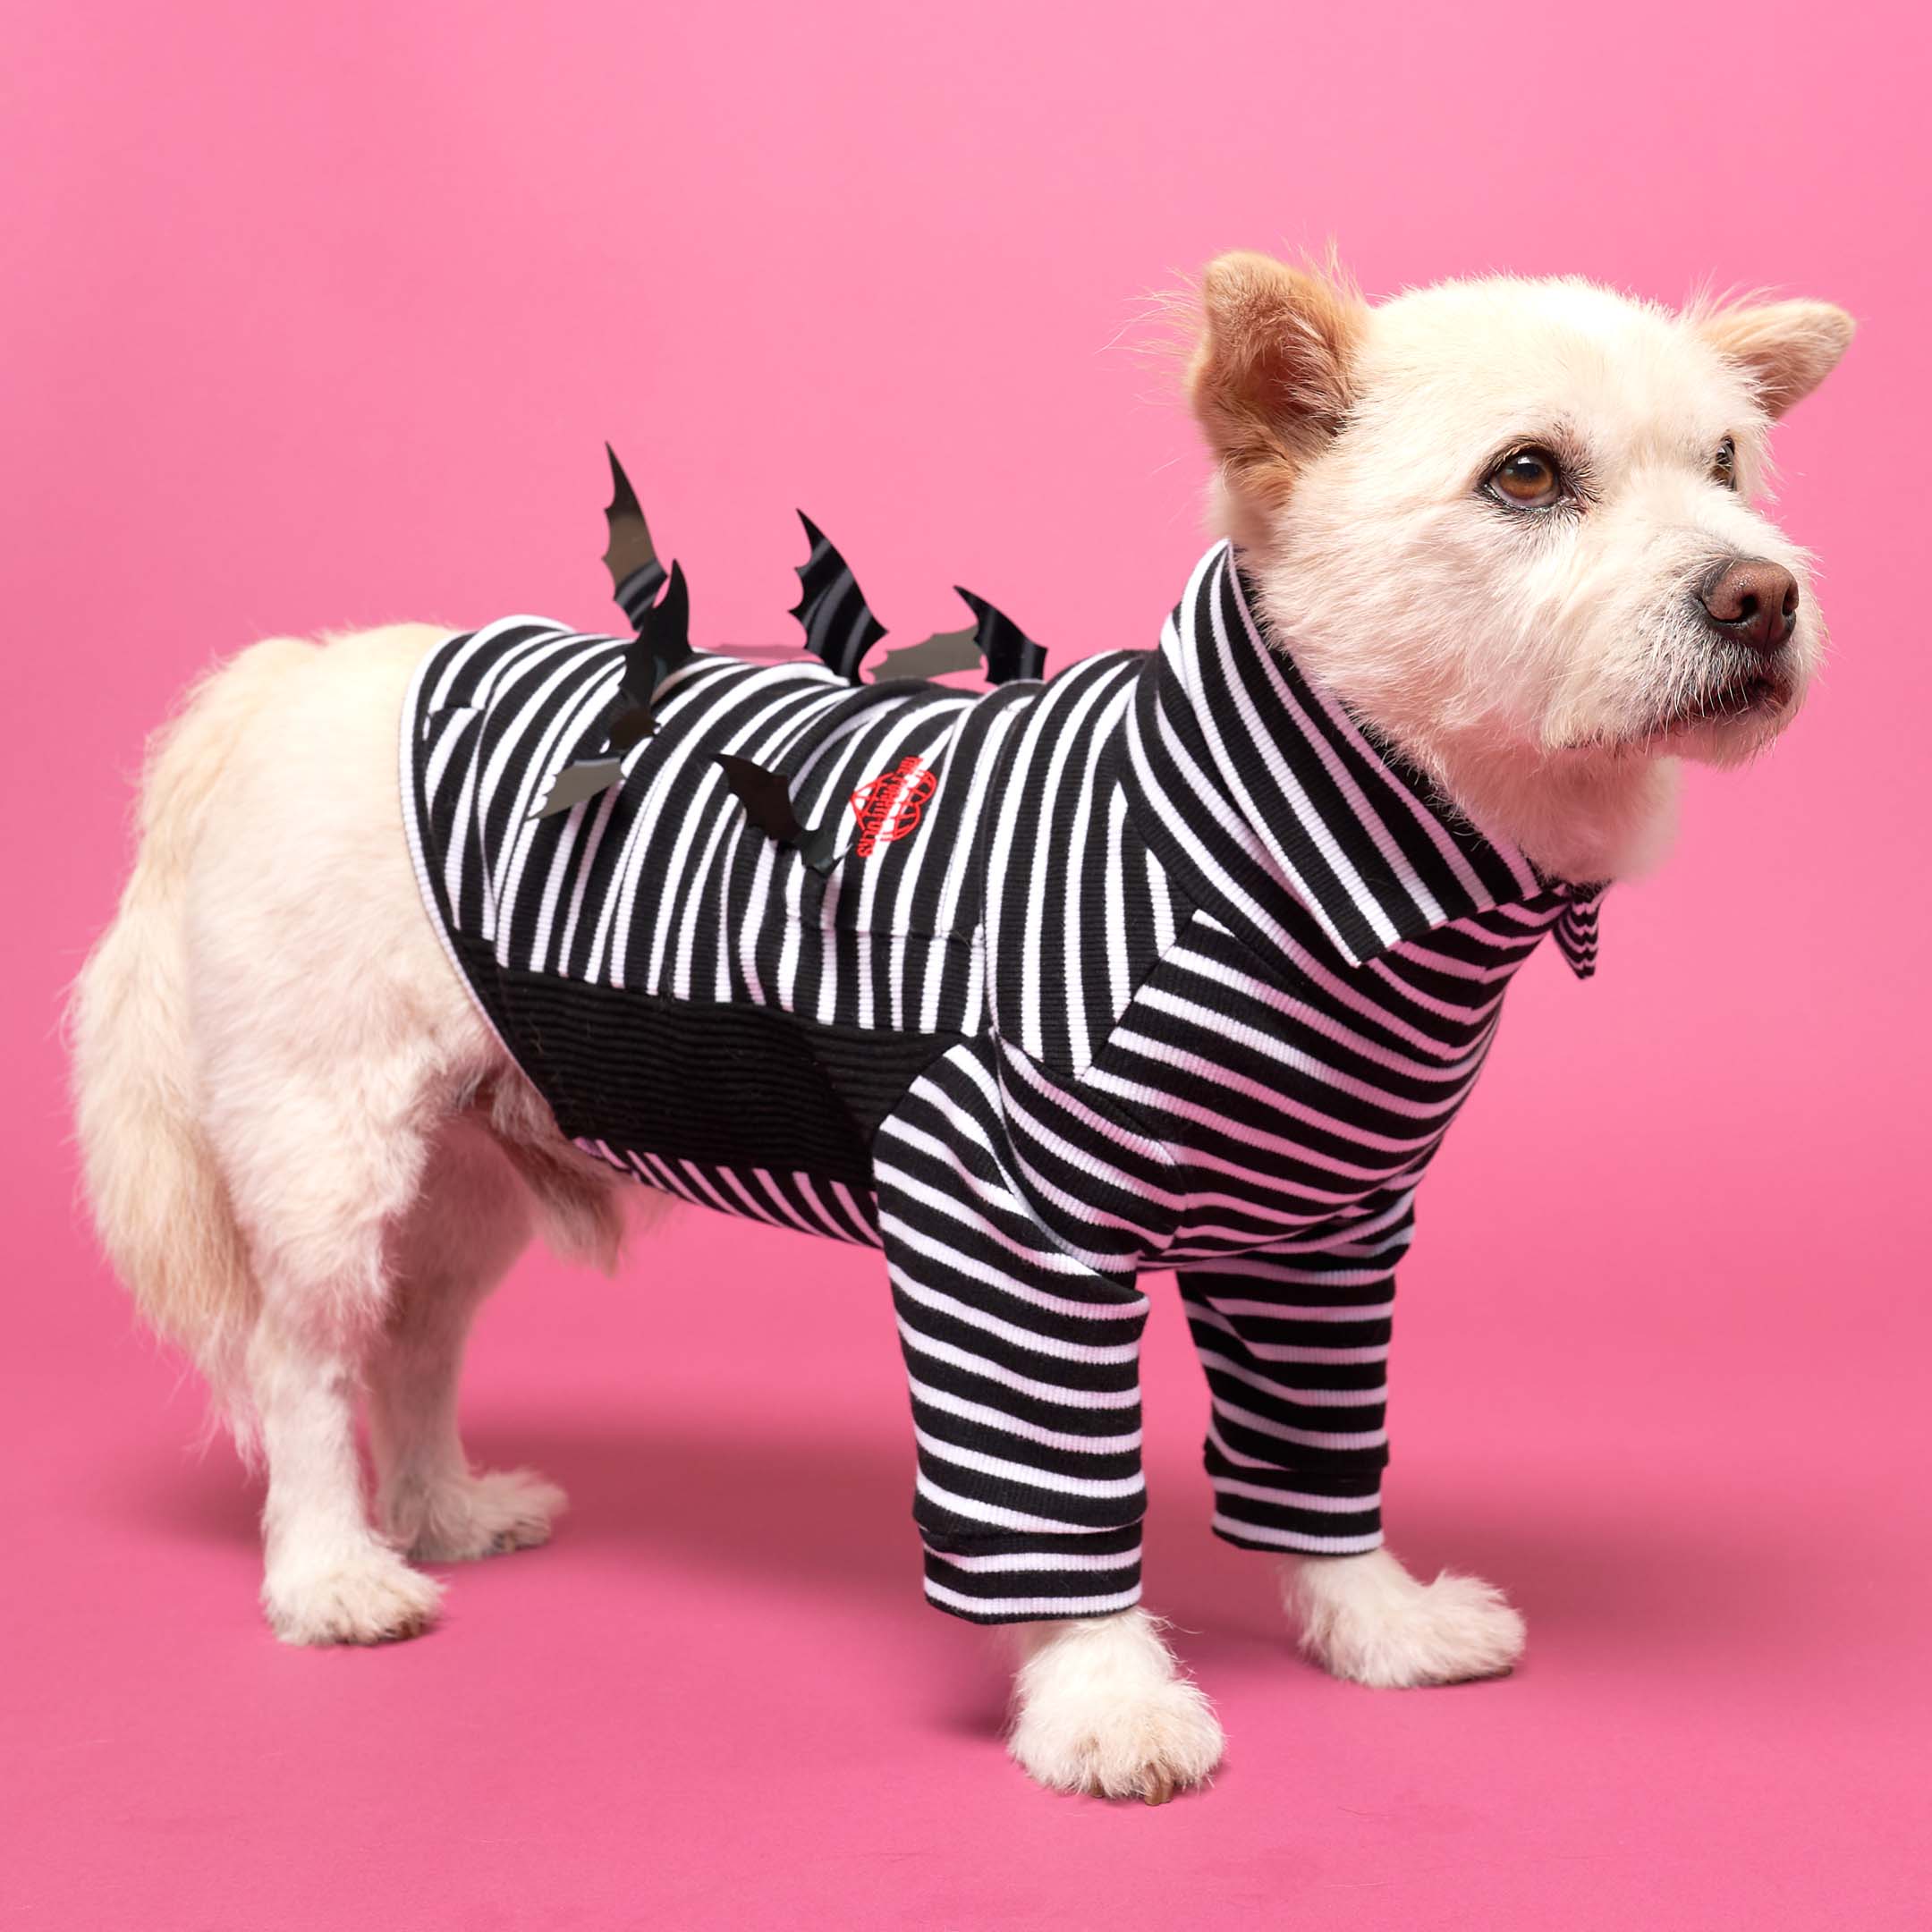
<point>1162,963</point>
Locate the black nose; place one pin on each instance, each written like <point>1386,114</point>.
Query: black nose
<point>1753,601</point>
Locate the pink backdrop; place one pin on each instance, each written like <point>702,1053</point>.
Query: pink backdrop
<point>316,318</point>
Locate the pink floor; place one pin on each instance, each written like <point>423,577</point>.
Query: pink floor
<point>315,319</point>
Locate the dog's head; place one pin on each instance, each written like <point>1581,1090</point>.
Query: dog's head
<point>1512,522</point>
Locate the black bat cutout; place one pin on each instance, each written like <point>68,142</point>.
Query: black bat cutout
<point>934,657</point>
<point>630,557</point>
<point>576,783</point>
<point>839,627</point>
<point>1009,654</point>
<point>767,798</point>
<point>662,644</point>
<point>995,642</point>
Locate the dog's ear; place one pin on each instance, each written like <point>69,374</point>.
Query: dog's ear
<point>1787,348</point>
<point>1270,375</point>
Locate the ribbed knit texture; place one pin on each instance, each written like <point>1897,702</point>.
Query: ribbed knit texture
<point>1175,967</point>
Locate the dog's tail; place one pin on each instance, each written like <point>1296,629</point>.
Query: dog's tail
<point>157,1197</point>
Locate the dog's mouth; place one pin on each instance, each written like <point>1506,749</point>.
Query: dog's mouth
<point>1759,693</point>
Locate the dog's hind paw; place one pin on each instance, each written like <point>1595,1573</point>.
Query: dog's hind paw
<point>1104,1710</point>
<point>1367,1619</point>
<point>485,1514</point>
<point>365,1596</point>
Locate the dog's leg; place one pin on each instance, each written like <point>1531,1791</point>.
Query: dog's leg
<point>1023,1360</point>
<point>1366,1618</point>
<point>1296,1350</point>
<point>331,1043</point>
<point>326,1174</point>
<point>470,1222</point>
<point>1103,1706</point>
<point>328,1577</point>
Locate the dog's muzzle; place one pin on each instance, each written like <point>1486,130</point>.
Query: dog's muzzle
<point>1749,609</point>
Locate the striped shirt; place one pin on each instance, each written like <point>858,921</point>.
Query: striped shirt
<point>1161,963</point>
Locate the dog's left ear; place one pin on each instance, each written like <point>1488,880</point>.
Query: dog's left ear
<point>1270,375</point>
<point>1787,348</point>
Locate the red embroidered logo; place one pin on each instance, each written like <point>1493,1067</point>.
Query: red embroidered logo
<point>889,806</point>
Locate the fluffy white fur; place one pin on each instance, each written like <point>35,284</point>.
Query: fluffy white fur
<point>1366,1618</point>
<point>295,1132</point>
<point>1101,1706</point>
<point>310,1160</point>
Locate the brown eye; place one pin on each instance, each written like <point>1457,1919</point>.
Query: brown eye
<point>1530,479</point>
<point>1724,464</point>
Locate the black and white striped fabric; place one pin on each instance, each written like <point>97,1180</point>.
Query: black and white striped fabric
<point>1165,965</point>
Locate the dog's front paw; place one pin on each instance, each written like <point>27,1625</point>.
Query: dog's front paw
<point>364,1596</point>
<point>1367,1619</point>
<point>1104,1710</point>
<point>484,1514</point>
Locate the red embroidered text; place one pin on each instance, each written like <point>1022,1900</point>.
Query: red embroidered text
<point>889,806</point>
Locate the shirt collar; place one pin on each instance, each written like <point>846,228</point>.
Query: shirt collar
<point>1277,807</point>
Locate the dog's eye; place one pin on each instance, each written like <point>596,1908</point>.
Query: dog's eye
<point>1531,478</point>
<point>1724,464</point>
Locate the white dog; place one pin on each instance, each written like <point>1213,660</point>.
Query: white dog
<point>1506,527</point>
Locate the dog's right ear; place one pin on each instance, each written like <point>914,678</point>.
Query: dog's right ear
<point>1270,375</point>
<point>1786,348</point>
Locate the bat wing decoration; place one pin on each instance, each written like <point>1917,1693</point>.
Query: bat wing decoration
<point>636,574</point>
<point>1009,653</point>
<point>840,630</point>
<point>661,644</point>
<point>767,797</point>
<point>839,627</point>
<point>942,651</point>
